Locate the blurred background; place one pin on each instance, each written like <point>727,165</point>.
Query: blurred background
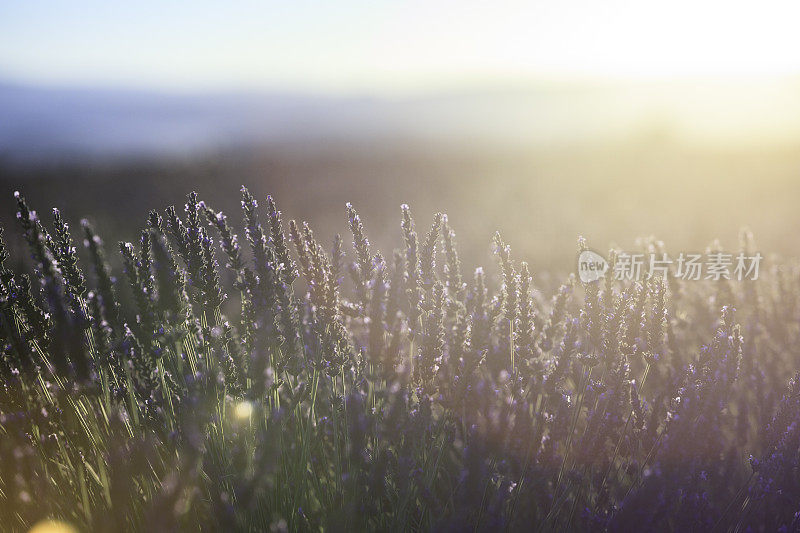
<point>545,120</point>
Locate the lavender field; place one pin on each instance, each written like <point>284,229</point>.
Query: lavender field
<point>235,372</point>
<point>426,266</point>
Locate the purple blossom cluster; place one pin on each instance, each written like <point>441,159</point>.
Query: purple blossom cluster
<point>272,382</point>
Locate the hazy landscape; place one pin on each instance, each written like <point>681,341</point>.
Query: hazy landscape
<point>610,162</point>
<point>412,266</point>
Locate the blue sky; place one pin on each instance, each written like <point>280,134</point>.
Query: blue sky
<point>382,47</point>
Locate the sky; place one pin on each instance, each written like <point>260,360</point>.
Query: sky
<point>384,48</point>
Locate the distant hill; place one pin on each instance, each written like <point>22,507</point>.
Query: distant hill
<point>41,122</point>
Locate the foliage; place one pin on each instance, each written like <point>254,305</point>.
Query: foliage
<point>275,385</point>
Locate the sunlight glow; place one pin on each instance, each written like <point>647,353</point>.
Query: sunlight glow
<point>394,47</point>
<point>52,526</point>
<point>243,410</point>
